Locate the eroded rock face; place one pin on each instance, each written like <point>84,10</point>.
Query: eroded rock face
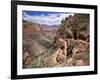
<point>26,59</point>
<point>76,27</point>
<point>29,29</point>
<point>77,46</point>
<point>75,31</point>
<point>78,63</point>
<point>35,42</point>
<point>81,59</point>
<point>56,58</point>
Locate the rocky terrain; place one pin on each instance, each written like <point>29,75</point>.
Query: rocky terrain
<point>67,45</point>
<point>35,43</point>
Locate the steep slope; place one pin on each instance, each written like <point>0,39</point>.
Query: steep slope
<point>75,31</point>
<point>76,27</point>
<point>34,40</point>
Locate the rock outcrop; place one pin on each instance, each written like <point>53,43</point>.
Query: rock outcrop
<point>76,27</point>
<point>75,31</point>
